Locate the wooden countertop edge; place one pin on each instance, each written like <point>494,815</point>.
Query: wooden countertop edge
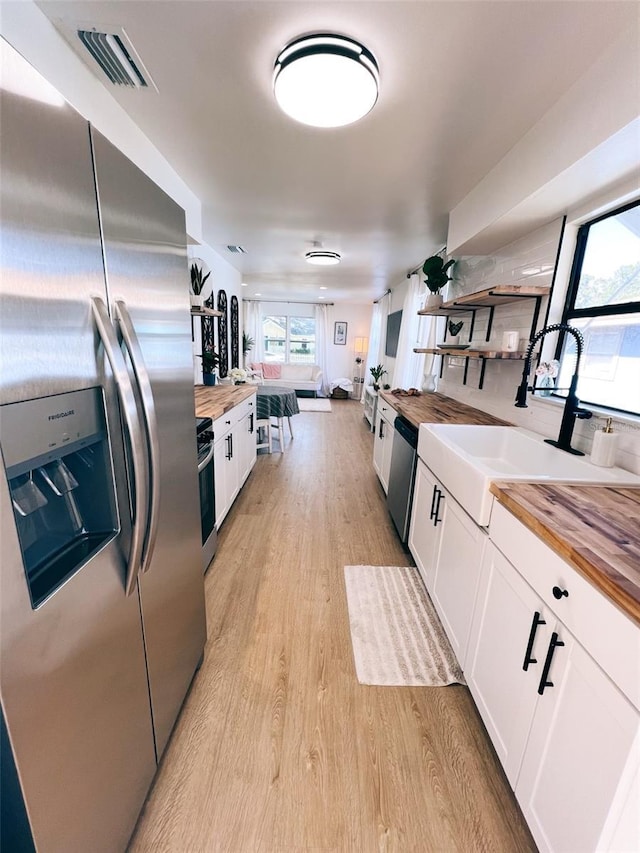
<point>206,404</point>
<point>611,583</point>
<point>406,406</point>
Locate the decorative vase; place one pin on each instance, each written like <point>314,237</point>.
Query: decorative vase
<point>209,378</point>
<point>197,301</point>
<point>452,341</point>
<point>428,383</point>
<point>546,386</point>
<point>434,301</point>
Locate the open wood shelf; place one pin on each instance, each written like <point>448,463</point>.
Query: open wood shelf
<point>483,355</point>
<point>473,353</point>
<point>205,312</point>
<point>501,294</point>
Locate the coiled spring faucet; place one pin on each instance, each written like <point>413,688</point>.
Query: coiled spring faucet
<point>572,408</point>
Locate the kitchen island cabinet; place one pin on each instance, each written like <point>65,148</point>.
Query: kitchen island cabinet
<point>233,410</point>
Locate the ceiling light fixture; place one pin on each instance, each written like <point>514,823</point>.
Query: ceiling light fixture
<point>326,80</point>
<point>322,258</point>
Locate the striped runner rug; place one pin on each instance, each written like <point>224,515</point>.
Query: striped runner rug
<point>396,634</point>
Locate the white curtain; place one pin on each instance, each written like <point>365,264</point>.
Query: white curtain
<point>253,328</point>
<point>409,365</point>
<point>322,342</point>
<point>380,311</point>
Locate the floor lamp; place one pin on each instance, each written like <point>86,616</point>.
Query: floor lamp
<point>360,351</point>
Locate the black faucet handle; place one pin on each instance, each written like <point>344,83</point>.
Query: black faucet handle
<point>583,414</point>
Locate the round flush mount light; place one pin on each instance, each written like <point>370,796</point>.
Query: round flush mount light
<point>322,258</point>
<point>325,80</point>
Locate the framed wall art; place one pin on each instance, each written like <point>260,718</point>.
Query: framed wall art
<point>340,333</point>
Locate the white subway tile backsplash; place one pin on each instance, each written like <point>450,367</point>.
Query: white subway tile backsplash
<point>528,260</point>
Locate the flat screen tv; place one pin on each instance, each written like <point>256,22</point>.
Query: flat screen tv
<point>393,333</point>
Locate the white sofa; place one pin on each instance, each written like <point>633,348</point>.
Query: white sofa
<point>300,377</point>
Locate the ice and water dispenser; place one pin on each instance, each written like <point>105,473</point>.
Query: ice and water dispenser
<point>58,464</point>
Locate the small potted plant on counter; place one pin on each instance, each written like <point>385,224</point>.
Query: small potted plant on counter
<point>210,360</point>
<point>198,281</point>
<point>435,271</point>
<point>377,373</point>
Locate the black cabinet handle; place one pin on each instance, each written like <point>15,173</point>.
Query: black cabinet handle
<point>436,520</point>
<point>537,620</point>
<point>251,423</point>
<point>229,453</point>
<point>380,432</point>
<point>560,593</point>
<point>544,682</point>
<point>433,502</point>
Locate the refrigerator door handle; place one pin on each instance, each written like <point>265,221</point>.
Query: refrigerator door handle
<point>151,423</point>
<point>127,399</point>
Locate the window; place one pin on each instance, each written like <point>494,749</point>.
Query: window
<point>289,340</point>
<point>603,302</point>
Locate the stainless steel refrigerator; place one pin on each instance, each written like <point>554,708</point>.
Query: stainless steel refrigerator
<point>102,619</point>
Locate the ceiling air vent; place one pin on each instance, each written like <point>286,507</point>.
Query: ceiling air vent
<point>237,250</point>
<point>115,54</point>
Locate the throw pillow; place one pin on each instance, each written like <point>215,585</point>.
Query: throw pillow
<point>271,371</point>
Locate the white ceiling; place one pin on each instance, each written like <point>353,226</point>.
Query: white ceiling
<point>461,83</point>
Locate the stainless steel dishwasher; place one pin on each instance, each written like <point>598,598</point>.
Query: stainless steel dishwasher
<point>402,474</point>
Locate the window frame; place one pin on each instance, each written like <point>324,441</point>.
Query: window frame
<point>570,312</point>
<point>288,339</point>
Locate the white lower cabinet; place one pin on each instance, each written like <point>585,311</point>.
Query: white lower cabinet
<point>447,546</point>
<point>425,527</point>
<point>247,444</point>
<point>383,441</point>
<point>234,454</point>
<point>581,738</point>
<point>567,737</point>
<point>457,571</point>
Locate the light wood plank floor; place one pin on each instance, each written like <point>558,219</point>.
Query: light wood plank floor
<point>278,747</point>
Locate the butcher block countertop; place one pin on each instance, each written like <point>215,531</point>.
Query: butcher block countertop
<point>437,409</point>
<point>214,400</point>
<point>595,528</point>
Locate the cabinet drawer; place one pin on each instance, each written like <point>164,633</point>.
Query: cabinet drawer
<point>242,409</point>
<point>609,636</point>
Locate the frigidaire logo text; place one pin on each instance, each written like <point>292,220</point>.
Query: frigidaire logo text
<point>62,415</point>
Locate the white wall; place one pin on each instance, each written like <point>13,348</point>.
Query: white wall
<point>223,277</point>
<point>340,358</point>
<point>586,143</point>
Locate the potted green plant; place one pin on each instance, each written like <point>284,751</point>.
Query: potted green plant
<point>198,281</point>
<point>377,372</point>
<point>210,360</point>
<point>435,271</point>
<point>247,344</point>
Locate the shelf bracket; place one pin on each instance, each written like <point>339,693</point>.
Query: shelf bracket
<point>482,368</point>
<point>490,323</point>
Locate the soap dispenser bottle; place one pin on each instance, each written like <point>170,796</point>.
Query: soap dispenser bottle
<point>603,449</point>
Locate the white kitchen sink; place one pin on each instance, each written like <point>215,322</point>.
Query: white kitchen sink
<point>467,459</point>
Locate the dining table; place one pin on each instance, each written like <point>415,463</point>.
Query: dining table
<point>275,401</point>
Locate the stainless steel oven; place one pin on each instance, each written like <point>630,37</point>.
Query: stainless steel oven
<point>204,435</point>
